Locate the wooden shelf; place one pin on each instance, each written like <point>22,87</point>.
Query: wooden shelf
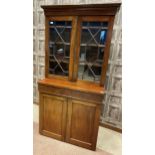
<point>90,64</point>
<point>64,43</point>
<point>94,27</point>
<point>93,45</point>
<point>60,60</point>
<point>82,44</point>
<point>59,26</point>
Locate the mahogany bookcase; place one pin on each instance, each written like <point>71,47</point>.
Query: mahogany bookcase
<point>77,43</point>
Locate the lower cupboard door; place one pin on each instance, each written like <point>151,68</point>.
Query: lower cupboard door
<point>82,123</point>
<point>53,116</point>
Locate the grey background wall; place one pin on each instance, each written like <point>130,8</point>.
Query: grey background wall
<point>112,103</point>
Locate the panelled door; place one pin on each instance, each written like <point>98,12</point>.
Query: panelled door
<point>53,116</point>
<point>82,123</point>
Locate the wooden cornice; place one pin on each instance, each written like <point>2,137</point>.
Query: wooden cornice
<point>84,9</point>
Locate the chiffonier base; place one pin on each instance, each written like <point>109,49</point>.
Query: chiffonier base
<point>70,112</point>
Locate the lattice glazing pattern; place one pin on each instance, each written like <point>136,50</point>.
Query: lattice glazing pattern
<point>59,47</point>
<point>92,50</point>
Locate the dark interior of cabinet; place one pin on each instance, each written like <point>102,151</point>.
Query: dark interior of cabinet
<point>93,37</point>
<point>59,47</point>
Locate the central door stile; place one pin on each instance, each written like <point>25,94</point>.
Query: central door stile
<point>72,47</point>
<point>64,119</point>
<point>69,116</point>
<point>77,48</point>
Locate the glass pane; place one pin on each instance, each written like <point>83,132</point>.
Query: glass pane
<point>93,38</point>
<point>59,47</point>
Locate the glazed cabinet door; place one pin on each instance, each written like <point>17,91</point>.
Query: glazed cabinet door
<point>59,47</point>
<point>92,52</point>
<point>53,116</point>
<point>82,123</point>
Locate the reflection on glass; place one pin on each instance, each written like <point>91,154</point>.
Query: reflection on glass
<point>102,37</point>
<point>93,40</point>
<point>59,47</point>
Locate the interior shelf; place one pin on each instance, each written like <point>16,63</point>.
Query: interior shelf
<point>64,60</point>
<point>60,26</point>
<point>54,43</point>
<point>92,45</point>
<point>94,27</point>
<point>82,44</point>
<point>96,64</point>
<point>83,27</point>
